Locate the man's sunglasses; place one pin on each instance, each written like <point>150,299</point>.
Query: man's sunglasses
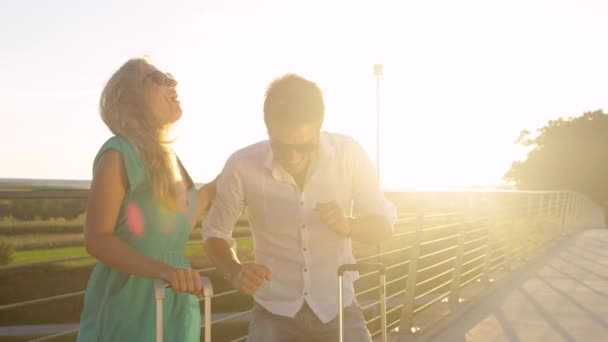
<point>162,78</point>
<point>282,148</point>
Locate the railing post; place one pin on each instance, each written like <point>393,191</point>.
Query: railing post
<point>549,230</point>
<point>585,219</point>
<point>551,215</point>
<point>485,277</point>
<point>557,216</point>
<point>454,296</point>
<point>510,233</point>
<point>538,222</point>
<point>518,227</point>
<point>565,231</point>
<point>406,324</point>
<point>527,231</point>
<point>573,217</point>
<point>579,211</point>
<point>584,212</point>
<point>583,201</point>
<point>542,221</point>
<point>563,200</point>
<point>574,212</point>
<point>570,214</point>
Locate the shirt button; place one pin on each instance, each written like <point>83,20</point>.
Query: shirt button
<point>306,293</point>
<point>304,249</point>
<point>306,270</point>
<point>301,202</point>
<point>303,226</point>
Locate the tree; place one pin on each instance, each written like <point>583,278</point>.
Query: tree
<point>569,154</point>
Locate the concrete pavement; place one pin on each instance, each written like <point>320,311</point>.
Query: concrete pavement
<point>563,296</point>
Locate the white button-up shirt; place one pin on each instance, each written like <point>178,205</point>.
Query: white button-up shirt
<point>302,253</point>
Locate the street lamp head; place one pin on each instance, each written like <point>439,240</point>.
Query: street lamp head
<point>377,69</point>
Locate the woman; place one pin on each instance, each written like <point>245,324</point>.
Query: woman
<point>142,206</point>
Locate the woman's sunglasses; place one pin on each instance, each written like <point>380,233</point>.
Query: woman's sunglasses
<point>162,78</point>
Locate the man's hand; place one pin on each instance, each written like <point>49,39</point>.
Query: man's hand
<point>332,215</point>
<point>250,278</point>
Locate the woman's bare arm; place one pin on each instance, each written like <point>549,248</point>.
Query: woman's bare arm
<point>108,190</point>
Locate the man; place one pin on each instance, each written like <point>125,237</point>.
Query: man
<point>299,188</point>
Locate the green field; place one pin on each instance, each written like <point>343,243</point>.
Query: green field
<point>194,252</point>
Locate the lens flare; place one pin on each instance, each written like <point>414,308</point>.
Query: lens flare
<point>135,219</point>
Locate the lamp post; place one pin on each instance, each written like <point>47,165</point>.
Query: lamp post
<point>378,72</point>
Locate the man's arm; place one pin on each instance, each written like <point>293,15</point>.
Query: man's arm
<point>372,229</point>
<point>376,215</point>
<point>223,256</point>
<point>217,232</point>
<point>247,278</point>
<point>369,229</point>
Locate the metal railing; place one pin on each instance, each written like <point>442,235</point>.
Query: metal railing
<point>451,242</point>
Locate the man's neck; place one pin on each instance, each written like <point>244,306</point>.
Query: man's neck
<point>300,178</point>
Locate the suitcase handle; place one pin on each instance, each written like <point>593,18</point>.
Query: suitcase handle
<point>366,268</point>
<point>161,285</point>
<point>363,267</point>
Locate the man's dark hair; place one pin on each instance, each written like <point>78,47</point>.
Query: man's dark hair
<point>293,100</point>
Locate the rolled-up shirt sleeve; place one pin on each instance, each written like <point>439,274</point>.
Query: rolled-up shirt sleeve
<point>228,204</point>
<point>368,197</point>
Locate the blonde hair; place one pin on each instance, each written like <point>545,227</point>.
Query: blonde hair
<point>126,112</point>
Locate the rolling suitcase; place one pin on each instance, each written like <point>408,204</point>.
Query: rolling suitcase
<point>362,268</point>
<point>159,292</point>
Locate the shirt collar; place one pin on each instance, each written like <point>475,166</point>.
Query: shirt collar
<point>326,148</point>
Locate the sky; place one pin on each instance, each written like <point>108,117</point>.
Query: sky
<point>460,79</point>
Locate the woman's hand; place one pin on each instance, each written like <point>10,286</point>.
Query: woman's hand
<point>184,280</point>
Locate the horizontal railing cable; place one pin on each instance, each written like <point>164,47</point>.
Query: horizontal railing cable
<point>436,264</point>
<point>41,300</point>
<point>443,227</point>
<point>54,336</point>
<point>45,262</point>
<point>428,255</point>
<point>435,277</point>
<point>450,237</point>
<point>227,318</point>
<point>384,254</point>
<point>431,291</point>
<point>474,241</point>
<point>439,298</point>
<point>473,251</point>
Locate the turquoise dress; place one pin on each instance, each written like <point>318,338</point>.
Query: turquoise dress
<point>119,306</point>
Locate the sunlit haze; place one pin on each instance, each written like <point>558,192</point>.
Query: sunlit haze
<point>461,79</point>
